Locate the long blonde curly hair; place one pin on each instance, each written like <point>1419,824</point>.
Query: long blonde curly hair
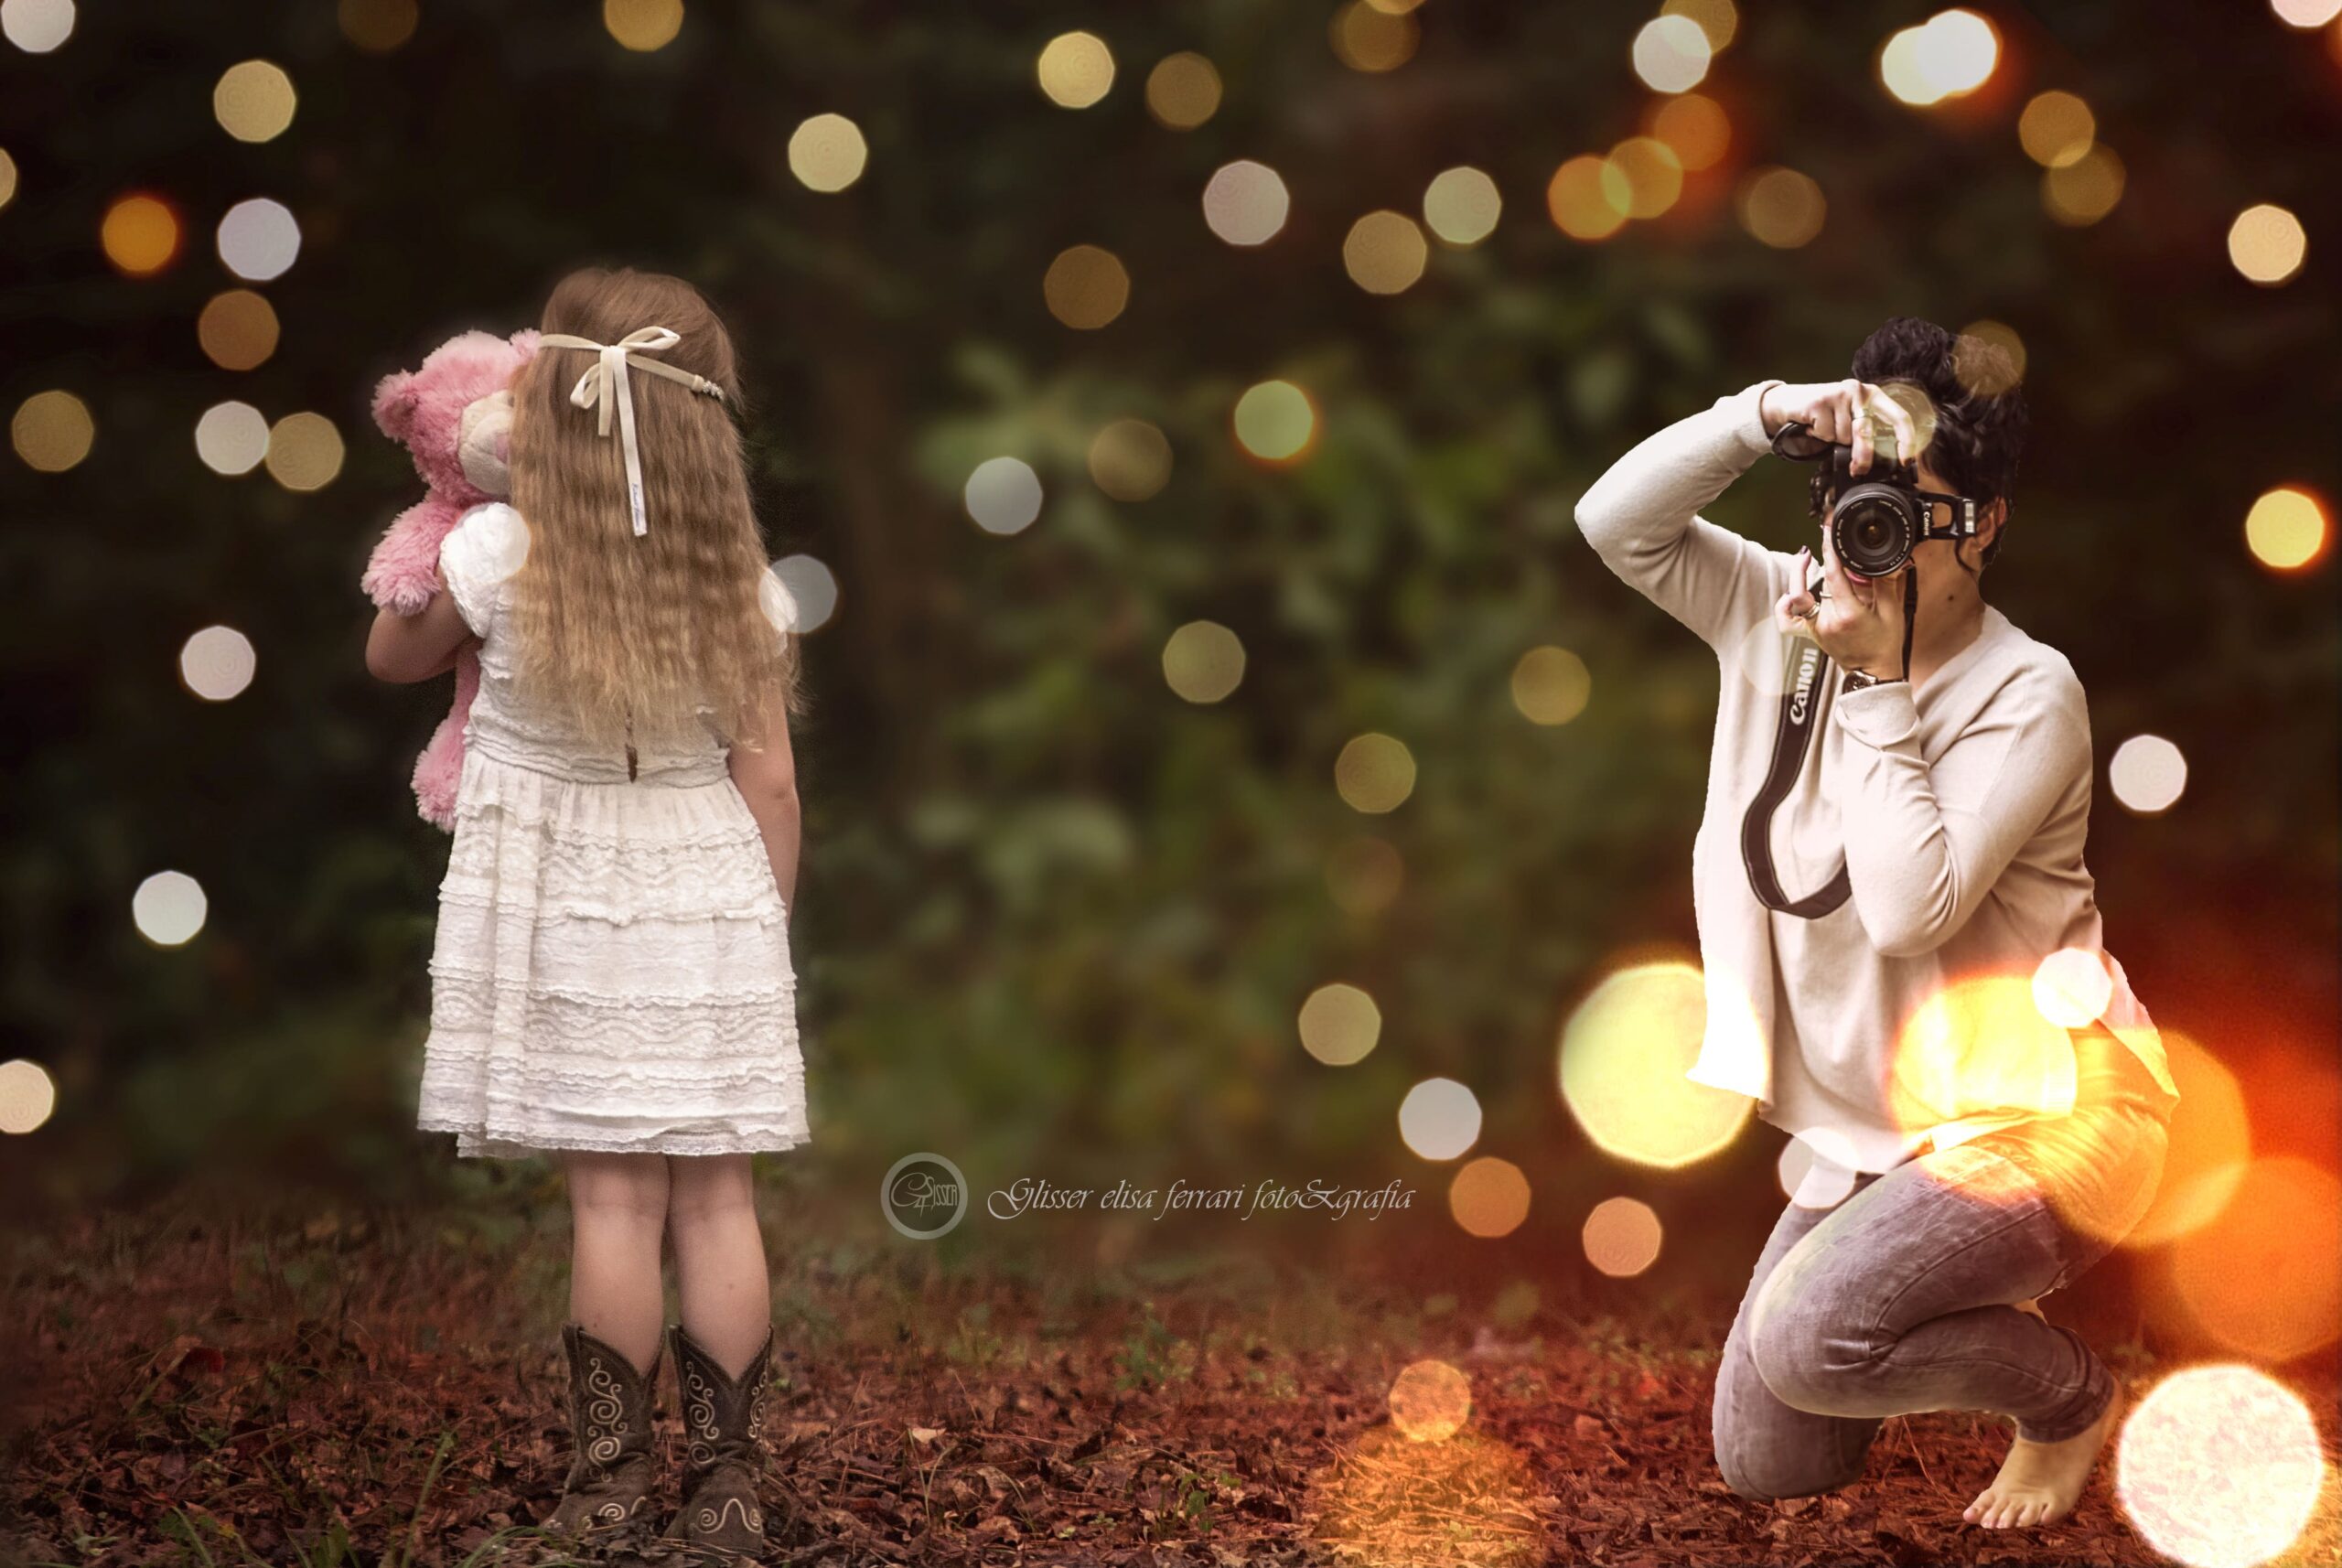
<point>628,636</point>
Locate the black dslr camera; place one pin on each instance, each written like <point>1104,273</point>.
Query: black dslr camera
<point>1878,519</point>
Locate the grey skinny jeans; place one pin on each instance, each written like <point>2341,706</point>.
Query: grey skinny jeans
<point>1899,1298</point>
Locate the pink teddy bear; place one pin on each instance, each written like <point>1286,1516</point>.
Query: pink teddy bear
<point>455,415</point>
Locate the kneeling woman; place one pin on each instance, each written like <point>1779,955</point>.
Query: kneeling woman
<point>1892,847</point>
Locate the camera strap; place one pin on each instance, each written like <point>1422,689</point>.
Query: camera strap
<point>1801,676</point>
<point>1803,668</point>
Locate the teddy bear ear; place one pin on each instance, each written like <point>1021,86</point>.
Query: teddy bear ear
<point>394,404</point>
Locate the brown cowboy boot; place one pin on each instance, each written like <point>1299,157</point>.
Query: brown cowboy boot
<point>614,1468</point>
<point>723,1423</point>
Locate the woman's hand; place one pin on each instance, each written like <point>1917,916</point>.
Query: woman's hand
<point>1857,620</point>
<point>1843,412</point>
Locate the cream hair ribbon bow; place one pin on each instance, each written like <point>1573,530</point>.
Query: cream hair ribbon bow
<point>605,383</point>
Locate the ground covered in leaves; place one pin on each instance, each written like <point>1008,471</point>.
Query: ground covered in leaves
<point>197,1385</point>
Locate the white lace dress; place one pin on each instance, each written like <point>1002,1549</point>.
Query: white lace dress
<point>611,969</point>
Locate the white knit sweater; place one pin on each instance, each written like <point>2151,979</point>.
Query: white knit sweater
<point>1959,810</point>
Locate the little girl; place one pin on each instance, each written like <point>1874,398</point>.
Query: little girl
<point>610,979</point>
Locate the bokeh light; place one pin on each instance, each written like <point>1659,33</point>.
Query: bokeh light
<point>1002,495</point>
<point>217,663</point>
<point>643,26</point>
<point>1621,1237</point>
<point>1624,1050</point>
<point>1988,357</point>
<point>504,547</point>
<point>2305,13</point>
<point>1550,686</point>
<point>2249,1278</point>
<point>2266,244</point>
<point>253,101</point>
<point>1430,1401</point>
<point>259,239</point>
<point>1952,53</point>
<point>1654,175</point>
<point>778,605</point>
<point>1245,203</point>
<point>1364,875</point>
<point>1816,1168</point>
<point>377,27</point>
<point>1587,196</point>
<point>2219,1466</point>
<point>169,909</point>
<point>140,235</point>
<point>2072,987</point>
<point>1440,1119</point>
<point>1389,1501</point>
<point>813,587</point>
<point>1385,252</point>
<point>1130,460</point>
<point>827,153</point>
<point>238,329</point>
<point>1203,662</point>
<point>1086,286</point>
<point>1076,69</point>
<point>2285,528</point>
<point>1274,420</point>
<point>1694,125</point>
<point>27,1095</point>
<point>1979,1041</point>
<point>1183,91</point>
<point>1374,774</point>
<point>1369,38</point>
<point>305,451</point>
<point>1462,204</point>
<point>52,431</point>
<point>2057,129</point>
<point>2147,775</point>
<point>1671,53</point>
<point>1340,1024</point>
<point>2082,192</point>
<point>2210,1144</point>
<point>36,27</point>
<point>232,438</point>
<point>1781,207</point>
<point>7,178</point>
<point>1718,19</point>
<point>1489,1196</point>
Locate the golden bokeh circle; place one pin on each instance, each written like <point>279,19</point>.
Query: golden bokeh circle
<point>1462,204</point>
<point>2266,244</point>
<point>1654,175</point>
<point>1130,460</point>
<point>1340,1024</point>
<point>1587,198</point>
<point>827,153</point>
<point>1245,203</point>
<point>1694,125</point>
<point>2080,193</point>
<point>27,1095</point>
<point>2286,528</point>
<point>1489,1196</point>
<point>1625,1053</point>
<point>1203,662</point>
<point>1622,1237</point>
<point>1550,686</point>
<point>377,27</point>
<point>1384,252</point>
<point>1719,19</point>
<point>1086,286</point>
<point>1374,774</point>
<point>643,26</point>
<point>305,451</point>
<point>1183,91</point>
<point>253,101</point>
<point>1988,357</point>
<point>1075,70</point>
<point>1430,1401</point>
<point>238,329</point>
<point>7,178</point>
<point>1782,208</point>
<point>52,431</point>
<point>2249,1279</point>
<point>1275,421</point>
<point>1370,39</point>
<point>2057,129</point>
<point>140,235</point>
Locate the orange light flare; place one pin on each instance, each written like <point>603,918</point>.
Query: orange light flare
<point>1389,1502</point>
<point>2211,1147</point>
<point>2220,1466</point>
<point>1625,1050</point>
<point>2264,1279</point>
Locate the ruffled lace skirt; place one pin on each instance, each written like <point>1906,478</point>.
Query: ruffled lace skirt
<point>611,972</point>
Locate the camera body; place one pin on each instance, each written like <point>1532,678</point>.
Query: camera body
<point>1879,518</point>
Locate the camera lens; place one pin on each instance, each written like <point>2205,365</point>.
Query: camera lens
<point>1874,528</point>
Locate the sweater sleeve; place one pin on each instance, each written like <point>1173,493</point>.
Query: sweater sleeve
<point>1924,842</point>
<point>1641,517</point>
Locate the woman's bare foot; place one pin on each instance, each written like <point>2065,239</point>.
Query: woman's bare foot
<point>2040,1482</point>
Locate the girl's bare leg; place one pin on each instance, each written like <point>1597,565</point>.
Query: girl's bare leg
<point>726,1295</point>
<point>618,1207</point>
